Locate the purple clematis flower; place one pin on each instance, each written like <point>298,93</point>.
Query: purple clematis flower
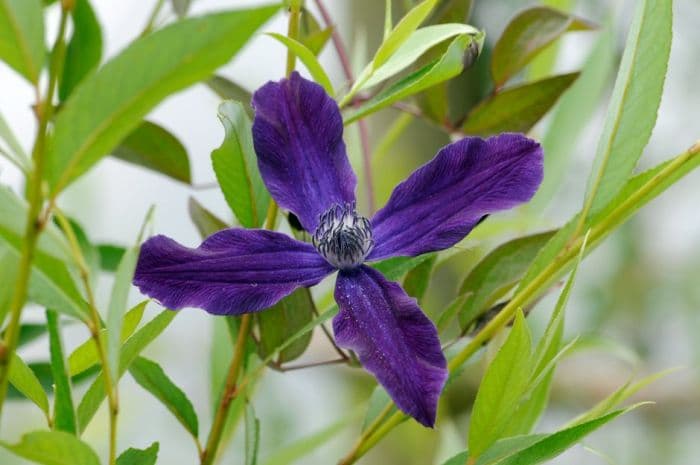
<point>297,135</point>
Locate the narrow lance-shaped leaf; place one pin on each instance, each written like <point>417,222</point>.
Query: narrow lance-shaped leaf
<point>64,409</point>
<point>308,58</point>
<point>22,36</point>
<point>252,435</point>
<point>634,103</point>
<point>25,381</point>
<point>205,221</point>
<point>503,384</point>
<point>53,448</point>
<point>226,89</point>
<point>297,450</point>
<point>527,35</point>
<point>110,255</point>
<point>417,280</point>
<point>84,50</point>
<point>517,109</point>
<point>236,168</point>
<point>154,147</point>
<point>283,320</point>
<point>152,378</point>
<point>133,456</point>
<point>110,103</point>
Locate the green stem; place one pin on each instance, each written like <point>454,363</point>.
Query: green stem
<point>35,221</point>
<point>548,275</point>
<point>293,32</point>
<point>152,18</point>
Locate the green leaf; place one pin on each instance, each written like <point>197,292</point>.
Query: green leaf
<point>133,456</point>
<point>283,320</point>
<point>26,382</point>
<point>308,58</point>
<point>507,446</point>
<point>64,409</point>
<point>236,167</point>
<point>152,378</point>
<point>394,268</point>
<point>376,404</point>
<point>449,65</point>
<point>181,7</point>
<point>8,274</point>
<point>634,102</point>
<point>527,35</point>
<point>110,256</point>
<point>130,350</point>
<point>53,448</point>
<point>117,307</point>
<point>402,32</point>
<point>518,108</point>
<point>157,149</point>
<point>297,450</point>
<point>497,273</point>
<point>110,103</point>
<point>22,37</point>
<point>417,280</point>
<point>419,42</point>
<point>6,134</point>
<point>84,50</point>
<point>29,332</point>
<point>252,435</point>
<point>459,459</point>
<point>504,383</point>
<point>229,90</point>
<point>310,32</point>
<point>85,355</point>
<point>572,114</point>
<point>205,221</point>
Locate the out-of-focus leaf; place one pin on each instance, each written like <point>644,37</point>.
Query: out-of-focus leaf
<point>152,378</point>
<point>416,281</point>
<point>110,256</point>
<point>236,167</point>
<point>310,32</point>
<point>64,409</point>
<point>181,7</point>
<point>450,312</point>
<point>133,456</point>
<point>497,273</point>
<point>84,50</point>
<point>15,147</point>
<point>53,448</point>
<point>634,103</point>
<point>419,42</point>
<point>229,90</point>
<point>85,355</point>
<point>283,320</point>
<point>206,222</point>
<point>517,109</point>
<point>26,382</point>
<point>29,332</point>
<point>110,103</point>
<point>90,253</point>
<point>308,58</point>
<point>459,459</point>
<point>252,435</point>
<point>292,453</point>
<point>501,389</point>
<point>526,35</point>
<point>157,149</point>
<point>448,66</point>
<point>22,37</point>
<point>377,402</point>
<point>571,115</point>
<point>451,11</point>
<point>130,350</point>
<point>394,268</point>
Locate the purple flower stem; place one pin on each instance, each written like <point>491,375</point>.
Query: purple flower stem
<point>362,125</point>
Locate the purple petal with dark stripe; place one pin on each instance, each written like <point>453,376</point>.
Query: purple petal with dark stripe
<point>298,137</point>
<point>443,200</point>
<point>395,341</point>
<point>234,271</point>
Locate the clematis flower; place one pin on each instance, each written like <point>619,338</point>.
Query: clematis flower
<point>297,133</point>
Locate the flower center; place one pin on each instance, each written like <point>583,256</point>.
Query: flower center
<point>343,237</point>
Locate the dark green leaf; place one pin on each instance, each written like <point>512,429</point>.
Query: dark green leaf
<point>451,11</point>
<point>64,409</point>
<point>29,332</point>
<point>152,378</point>
<point>416,281</point>
<point>139,456</point>
<point>229,90</point>
<point>157,149</point>
<point>459,459</point>
<point>500,391</point>
<point>26,382</point>
<point>310,32</point>
<point>84,50</point>
<point>53,448</point>
<point>497,273</point>
<point>110,256</point>
<point>205,221</point>
<point>22,36</point>
<point>394,268</point>
<point>517,109</point>
<point>236,167</point>
<point>110,103</point>
<point>283,320</point>
<point>527,35</point>
<point>634,102</point>
<point>130,350</point>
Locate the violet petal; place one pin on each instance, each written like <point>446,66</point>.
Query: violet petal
<point>298,137</point>
<point>234,271</point>
<point>394,340</point>
<point>444,199</point>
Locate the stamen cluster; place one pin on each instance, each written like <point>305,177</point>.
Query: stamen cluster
<point>343,237</point>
